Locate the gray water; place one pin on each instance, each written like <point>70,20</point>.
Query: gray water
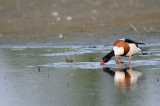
<point>72,76</point>
<point>52,60</point>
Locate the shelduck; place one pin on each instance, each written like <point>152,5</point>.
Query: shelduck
<point>125,76</point>
<point>122,47</point>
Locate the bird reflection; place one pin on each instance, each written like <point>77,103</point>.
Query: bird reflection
<point>124,76</point>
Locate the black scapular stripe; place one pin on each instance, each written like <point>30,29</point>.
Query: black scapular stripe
<point>130,41</point>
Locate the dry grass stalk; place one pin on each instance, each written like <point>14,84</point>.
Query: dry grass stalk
<point>134,28</point>
<point>150,30</point>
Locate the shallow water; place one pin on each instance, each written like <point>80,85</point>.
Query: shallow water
<point>50,53</point>
<point>72,76</point>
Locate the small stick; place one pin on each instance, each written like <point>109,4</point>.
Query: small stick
<point>147,29</point>
<point>39,69</point>
<point>150,30</point>
<point>134,28</point>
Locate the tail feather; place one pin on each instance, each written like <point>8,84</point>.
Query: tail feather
<point>140,43</point>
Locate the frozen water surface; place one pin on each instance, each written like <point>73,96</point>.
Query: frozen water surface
<point>72,75</point>
<point>50,53</point>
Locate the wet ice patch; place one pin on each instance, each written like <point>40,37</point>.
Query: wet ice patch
<point>145,62</point>
<point>82,65</point>
<point>76,50</point>
<point>96,65</point>
<point>68,53</point>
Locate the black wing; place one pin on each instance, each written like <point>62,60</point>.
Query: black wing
<point>130,41</point>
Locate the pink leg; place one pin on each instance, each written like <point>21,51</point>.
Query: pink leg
<point>117,59</point>
<point>129,59</point>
